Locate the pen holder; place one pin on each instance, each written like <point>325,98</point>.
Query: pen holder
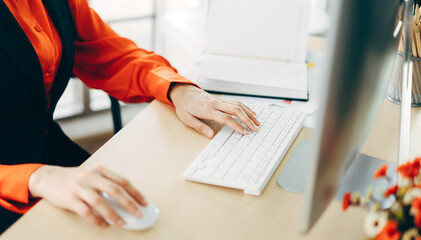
<point>394,91</point>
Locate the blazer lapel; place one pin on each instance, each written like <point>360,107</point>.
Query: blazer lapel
<point>18,47</point>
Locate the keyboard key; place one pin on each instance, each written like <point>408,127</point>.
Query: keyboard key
<point>231,175</point>
<point>207,172</point>
<point>191,170</point>
<point>253,179</point>
<point>253,164</point>
<point>243,178</point>
<point>220,173</point>
<point>200,165</point>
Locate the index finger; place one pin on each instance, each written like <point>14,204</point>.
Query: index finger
<point>239,112</point>
<point>126,185</point>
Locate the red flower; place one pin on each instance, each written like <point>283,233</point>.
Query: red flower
<point>381,172</point>
<point>389,232</point>
<point>391,191</point>
<point>347,201</point>
<point>410,169</point>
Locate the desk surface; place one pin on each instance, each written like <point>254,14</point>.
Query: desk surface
<point>154,149</point>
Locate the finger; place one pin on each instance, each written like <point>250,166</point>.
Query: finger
<point>248,108</point>
<point>228,120</point>
<point>125,184</point>
<point>83,210</point>
<point>238,112</point>
<point>97,202</point>
<point>250,113</point>
<point>118,194</point>
<point>196,124</point>
<point>240,103</point>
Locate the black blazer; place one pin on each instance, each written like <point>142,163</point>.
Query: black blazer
<point>24,118</point>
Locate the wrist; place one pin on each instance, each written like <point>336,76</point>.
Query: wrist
<point>35,183</point>
<point>177,90</point>
<point>174,91</point>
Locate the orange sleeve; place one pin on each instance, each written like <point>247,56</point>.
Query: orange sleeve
<point>104,60</point>
<point>14,192</point>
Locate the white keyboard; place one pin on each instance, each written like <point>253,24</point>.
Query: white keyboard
<point>247,162</point>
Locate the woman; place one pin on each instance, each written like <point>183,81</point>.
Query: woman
<point>42,43</point>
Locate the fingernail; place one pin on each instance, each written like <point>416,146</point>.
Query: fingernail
<point>209,133</point>
<point>257,122</point>
<point>120,223</point>
<point>139,213</point>
<point>104,224</point>
<point>245,132</point>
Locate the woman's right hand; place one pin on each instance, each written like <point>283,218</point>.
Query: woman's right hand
<point>78,189</point>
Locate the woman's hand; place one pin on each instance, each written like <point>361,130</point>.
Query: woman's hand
<point>192,104</point>
<point>78,190</point>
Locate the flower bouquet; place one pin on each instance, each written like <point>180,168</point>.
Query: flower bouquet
<point>403,219</point>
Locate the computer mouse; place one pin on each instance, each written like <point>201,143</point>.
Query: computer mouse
<point>150,215</point>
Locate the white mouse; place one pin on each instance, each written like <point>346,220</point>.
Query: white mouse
<point>150,215</point>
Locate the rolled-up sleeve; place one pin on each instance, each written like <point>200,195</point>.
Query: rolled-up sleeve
<point>14,191</point>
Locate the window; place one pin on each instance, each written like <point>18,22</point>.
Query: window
<point>133,19</point>
<point>179,41</point>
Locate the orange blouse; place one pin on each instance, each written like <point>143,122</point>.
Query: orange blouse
<point>103,60</point>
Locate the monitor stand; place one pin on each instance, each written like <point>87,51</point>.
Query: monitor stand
<point>358,178</point>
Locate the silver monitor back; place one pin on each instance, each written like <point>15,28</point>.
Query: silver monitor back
<point>361,52</point>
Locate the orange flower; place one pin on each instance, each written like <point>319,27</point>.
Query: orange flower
<point>391,191</point>
<point>410,169</point>
<point>389,232</point>
<point>381,172</point>
<point>416,204</point>
<point>346,201</point>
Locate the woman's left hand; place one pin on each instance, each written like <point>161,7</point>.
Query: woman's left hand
<point>193,104</point>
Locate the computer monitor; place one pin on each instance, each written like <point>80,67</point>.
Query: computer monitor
<point>361,52</point>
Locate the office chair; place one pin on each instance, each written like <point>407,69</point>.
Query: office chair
<point>116,113</point>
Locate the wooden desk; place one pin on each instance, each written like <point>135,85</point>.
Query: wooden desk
<point>155,148</point>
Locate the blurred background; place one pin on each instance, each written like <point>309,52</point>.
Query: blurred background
<point>172,28</point>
